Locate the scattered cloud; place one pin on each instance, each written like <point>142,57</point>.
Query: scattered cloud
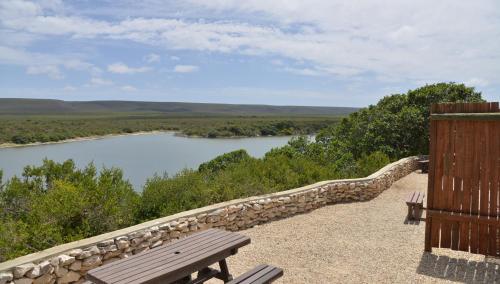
<point>185,68</point>
<point>387,38</point>
<point>121,68</point>
<point>50,70</point>
<point>380,43</point>
<point>305,71</point>
<point>69,88</point>
<point>479,82</point>
<point>277,62</point>
<point>152,58</point>
<point>128,88</point>
<point>96,81</point>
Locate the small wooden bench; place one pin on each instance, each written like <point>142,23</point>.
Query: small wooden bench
<point>424,166</point>
<point>262,274</point>
<point>415,204</point>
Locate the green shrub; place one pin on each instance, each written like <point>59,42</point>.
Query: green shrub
<point>223,161</point>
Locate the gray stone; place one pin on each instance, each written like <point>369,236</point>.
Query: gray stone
<point>5,277</point>
<point>91,262</point>
<point>65,259</point>
<point>76,266</point>
<point>157,244</point>
<point>76,252</point>
<point>23,281</point>
<point>69,277</point>
<point>134,235</point>
<point>21,270</point>
<point>121,238</point>
<point>122,244</point>
<point>136,241</point>
<point>45,279</point>
<point>105,243</point>
<point>147,235</point>
<point>35,272</point>
<point>165,227</point>
<point>46,267</point>
<point>60,271</point>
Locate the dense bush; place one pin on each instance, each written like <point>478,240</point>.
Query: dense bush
<point>397,126</point>
<point>57,203</point>
<point>21,129</point>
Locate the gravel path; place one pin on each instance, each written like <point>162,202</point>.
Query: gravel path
<point>366,242</point>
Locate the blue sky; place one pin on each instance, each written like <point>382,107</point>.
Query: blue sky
<point>324,53</point>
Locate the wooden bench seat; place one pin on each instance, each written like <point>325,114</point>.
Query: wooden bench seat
<point>261,274</point>
<point>415,204</point>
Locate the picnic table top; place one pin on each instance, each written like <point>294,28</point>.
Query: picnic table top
<point>172,261</point>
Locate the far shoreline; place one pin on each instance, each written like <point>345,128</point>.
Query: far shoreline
<point>81,139</point>
<point>98,137</point>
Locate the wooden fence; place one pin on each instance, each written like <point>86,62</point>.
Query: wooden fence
<point>464,168</point>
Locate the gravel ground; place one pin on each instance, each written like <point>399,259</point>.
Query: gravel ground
<point>365,242</point>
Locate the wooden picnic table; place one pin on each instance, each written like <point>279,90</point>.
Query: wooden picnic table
<point>176,261</point>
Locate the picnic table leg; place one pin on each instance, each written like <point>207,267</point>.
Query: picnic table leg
<point>224,271</point>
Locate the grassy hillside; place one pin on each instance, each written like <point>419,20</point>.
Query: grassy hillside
<point>25,121</point>
<point>51,107</point>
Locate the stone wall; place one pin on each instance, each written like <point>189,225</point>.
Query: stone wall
<point>69,263</point>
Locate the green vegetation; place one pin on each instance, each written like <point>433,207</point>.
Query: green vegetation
<point>45,128</point>
<point>56,203</point>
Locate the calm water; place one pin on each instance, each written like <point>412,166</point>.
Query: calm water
<point>140,156</point>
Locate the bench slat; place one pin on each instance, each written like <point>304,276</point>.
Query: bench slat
<point>259,275</point>
<point>420,199</point>
<point>415,197</point>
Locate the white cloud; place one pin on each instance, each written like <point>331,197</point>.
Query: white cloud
<point>128,88</point>
<point>121,68</point>
<point>305,71</point>
<point>185,68</point>
<point>175,58</point>
<point>50,70</point>
<point>100,82</point>
<point>152,58</point>
<point>477,82</point>
<point>402,40</point>
<point>69,88</point>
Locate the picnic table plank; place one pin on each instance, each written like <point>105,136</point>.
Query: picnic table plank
<point>178,244</point>
<point>173,261</point>
<point>154,256</point>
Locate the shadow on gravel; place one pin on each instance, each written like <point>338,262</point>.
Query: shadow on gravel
<point>459,270</point>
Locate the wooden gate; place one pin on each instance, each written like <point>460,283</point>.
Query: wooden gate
<point>464,168</point>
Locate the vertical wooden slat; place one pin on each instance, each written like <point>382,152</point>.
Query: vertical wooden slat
<point>442,127</point>
<point>494,155</point>
<point>447,191</point>
<point>466,189</point>
<point>458,170</point>
<point>475,185</point>
<point>484,187</point>
<point>430,186</point>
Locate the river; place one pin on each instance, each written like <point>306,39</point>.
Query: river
<point>139,156</point>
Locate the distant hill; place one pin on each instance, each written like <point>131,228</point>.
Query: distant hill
<point>53,107</point>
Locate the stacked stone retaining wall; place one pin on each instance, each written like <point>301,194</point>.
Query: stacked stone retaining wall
<point>69,263</point>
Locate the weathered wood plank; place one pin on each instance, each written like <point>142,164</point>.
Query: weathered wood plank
<point>172,261</point>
